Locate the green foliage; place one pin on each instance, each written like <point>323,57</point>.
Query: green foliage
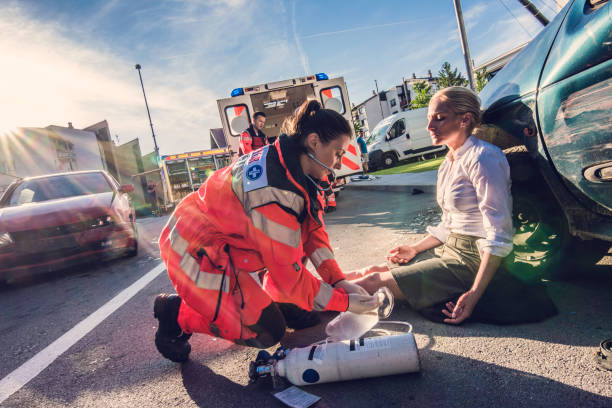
<point>449,77</point>
<point>414,167</point>
<point>357,127</point>
<point>422,95</point>
<point>482,79</point>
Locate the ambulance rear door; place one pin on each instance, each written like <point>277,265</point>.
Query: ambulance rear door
<point>235,113</point>
<point>333,95</point>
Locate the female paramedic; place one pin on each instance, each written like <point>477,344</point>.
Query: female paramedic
<point>235,249</point>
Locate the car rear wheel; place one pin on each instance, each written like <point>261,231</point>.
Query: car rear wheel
<point>541,232</point>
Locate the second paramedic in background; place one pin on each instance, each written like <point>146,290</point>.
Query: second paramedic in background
<point>364,152</point>
<point>253,137</point>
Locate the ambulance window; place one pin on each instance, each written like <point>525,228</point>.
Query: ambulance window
<point>237,118</point>
<point>332,99</point>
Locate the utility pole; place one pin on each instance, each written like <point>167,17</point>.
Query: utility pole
<point>382,115</point>
<point>534,10</point>
<point>138,67</point>
<point>464,44</point>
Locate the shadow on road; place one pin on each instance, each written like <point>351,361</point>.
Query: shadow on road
<point>208,389</point>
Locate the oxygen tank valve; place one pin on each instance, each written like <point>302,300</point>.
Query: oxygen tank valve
<point>264,366</point>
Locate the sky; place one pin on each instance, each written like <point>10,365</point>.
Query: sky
<point>73,61</point>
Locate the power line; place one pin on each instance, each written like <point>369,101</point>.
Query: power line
<point>517,20</point>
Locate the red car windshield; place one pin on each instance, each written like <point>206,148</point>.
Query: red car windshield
<point>57,187</point>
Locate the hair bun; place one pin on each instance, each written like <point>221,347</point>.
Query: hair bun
<point>313,107</point>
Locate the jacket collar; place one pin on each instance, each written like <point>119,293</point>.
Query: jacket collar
<point>290,151</point>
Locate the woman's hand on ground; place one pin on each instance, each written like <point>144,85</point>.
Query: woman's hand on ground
<point>351,287</point>
<point>463,309</point>
<point>360,273</point>
<point>360,304</point>
<point>402,254</point>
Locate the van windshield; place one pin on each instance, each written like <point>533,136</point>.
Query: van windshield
<point>379,132</point>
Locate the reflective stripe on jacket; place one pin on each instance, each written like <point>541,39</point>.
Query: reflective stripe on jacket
<point>260,208</point>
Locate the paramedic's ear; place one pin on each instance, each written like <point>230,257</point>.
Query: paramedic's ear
<point>312,141</point>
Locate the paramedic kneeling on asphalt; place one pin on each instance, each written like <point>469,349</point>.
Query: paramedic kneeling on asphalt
<point>235,248</point>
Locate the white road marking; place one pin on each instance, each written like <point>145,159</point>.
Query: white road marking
<point>31,368</point>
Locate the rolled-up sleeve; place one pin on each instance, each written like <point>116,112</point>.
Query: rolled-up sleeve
<point>440,231</point>
<point>490,176</point>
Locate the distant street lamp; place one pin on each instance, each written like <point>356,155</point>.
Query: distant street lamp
<point>149,114</point>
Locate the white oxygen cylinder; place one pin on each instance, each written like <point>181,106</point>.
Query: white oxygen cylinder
<point>350,359</point>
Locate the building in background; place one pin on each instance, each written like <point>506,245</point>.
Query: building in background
<point>217,139</point>
<point>408,85</point>
<point>388,102</point>
<point>102,131</point>
<point>32,151</point>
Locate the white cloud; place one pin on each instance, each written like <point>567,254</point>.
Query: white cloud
<point>298,43</point>
<point>52,73</point>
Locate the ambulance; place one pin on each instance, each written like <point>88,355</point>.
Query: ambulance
<point>280,99</point>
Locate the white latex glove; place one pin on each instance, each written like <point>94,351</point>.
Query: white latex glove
<point>360,304</point>
<point>350,287</point>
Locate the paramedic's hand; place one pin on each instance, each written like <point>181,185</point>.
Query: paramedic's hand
<point>457,313</point>
<point>362,303</point>
<point>402,254</point>
<point>350,287</point>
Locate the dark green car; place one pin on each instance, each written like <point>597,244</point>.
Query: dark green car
<point>553,104</point>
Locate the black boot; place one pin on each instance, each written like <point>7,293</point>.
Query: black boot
<point>170,340</point>
<point>298,318</point>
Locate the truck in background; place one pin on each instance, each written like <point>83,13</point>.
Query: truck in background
<point>400,136</point>
<point>278,100</point>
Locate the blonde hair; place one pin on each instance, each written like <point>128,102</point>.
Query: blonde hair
<point>461,100</point>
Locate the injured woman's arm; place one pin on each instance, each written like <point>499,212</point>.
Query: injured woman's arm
<point>398,255</point>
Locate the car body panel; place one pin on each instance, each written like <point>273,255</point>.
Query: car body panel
<point>54,234</point>
<point>577,131</point>
<point>520,76</point>
<point>555,97</point>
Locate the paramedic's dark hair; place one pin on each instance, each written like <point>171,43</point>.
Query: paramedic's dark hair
<point>311,118</point>
<point>256,114</point>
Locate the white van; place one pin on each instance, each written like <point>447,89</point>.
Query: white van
<point>400,136</point>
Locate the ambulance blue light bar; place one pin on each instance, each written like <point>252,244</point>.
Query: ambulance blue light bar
<point>321,76</point>
<point>237,92</point>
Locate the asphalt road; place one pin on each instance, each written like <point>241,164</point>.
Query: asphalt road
<point>116,363</point>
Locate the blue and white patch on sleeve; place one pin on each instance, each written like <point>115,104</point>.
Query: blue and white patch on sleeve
<point>254,175</point>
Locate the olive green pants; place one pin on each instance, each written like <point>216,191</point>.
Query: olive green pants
<point>429,279</point>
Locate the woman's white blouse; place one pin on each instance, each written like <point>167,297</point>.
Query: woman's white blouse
<point>473,191</point>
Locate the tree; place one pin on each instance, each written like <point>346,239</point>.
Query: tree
<point>357,126</point>
<point>482,79</point>
<point>422,95</point>
<point>449,77</point>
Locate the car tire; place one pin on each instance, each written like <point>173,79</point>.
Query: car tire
<point>389,160</point>
<point>541,235</point>
<point>133,250</point>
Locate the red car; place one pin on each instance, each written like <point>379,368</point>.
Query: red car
<point>54,221</point>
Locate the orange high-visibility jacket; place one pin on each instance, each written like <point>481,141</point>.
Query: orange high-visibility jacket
<point>263,213</point>
<point>250,140</point>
